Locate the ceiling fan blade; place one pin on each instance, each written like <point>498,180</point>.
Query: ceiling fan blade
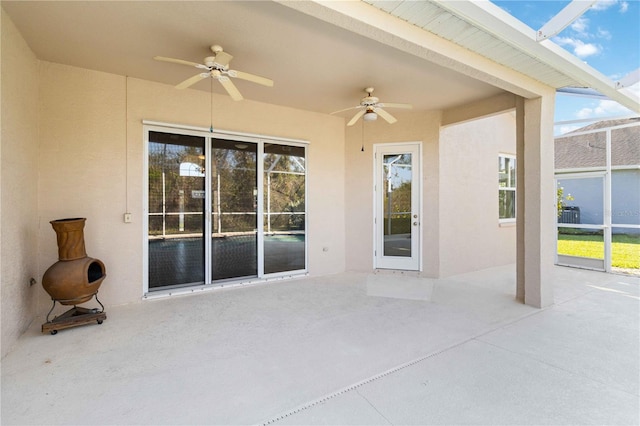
<point>250,77</point>
<point>179,61</point>
<point>387,105</point>
<point>223,59</point>
<point>384,114</point>
<point>192,80</point>
<point>356,117</point>
<point>231,88</point>
<point>347,109</point>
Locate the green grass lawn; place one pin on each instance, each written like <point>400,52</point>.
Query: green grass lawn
<point>625,250</point>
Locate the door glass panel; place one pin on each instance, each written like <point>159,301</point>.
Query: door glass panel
<point>625,250</point>
<point>576,242</point>
<point>581,201</point>
<point>397,219</point>
<point>176,204</point>
<point>233,209</point>
<point>284,208</point>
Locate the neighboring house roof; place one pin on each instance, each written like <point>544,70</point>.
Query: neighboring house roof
<point>578,149</point>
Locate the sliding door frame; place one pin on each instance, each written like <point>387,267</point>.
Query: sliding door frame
<point>259,140</point>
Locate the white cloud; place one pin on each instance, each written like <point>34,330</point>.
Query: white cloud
<point>580,48</point>
<point>604,4</point>
<point>607,4</point>
<point>580,26</point>
<point>566,129</point>
<point>583,50</point>
<point>604,34</point>
<point>604,108</point>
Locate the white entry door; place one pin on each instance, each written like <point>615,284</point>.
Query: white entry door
<point>397,206</point>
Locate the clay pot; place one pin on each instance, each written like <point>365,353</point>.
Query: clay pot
<point>74,278</point>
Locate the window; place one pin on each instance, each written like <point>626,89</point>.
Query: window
<point>506,188</point>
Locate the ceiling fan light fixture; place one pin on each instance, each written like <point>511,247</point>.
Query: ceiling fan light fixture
<point>370,116</point>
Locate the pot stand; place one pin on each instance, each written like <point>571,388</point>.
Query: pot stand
<point>74,317</point>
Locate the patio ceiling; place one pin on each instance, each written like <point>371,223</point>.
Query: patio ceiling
<point>316,65</point>
<point>317,57</point>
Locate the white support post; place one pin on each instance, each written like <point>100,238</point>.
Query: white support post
<point>608,207</point>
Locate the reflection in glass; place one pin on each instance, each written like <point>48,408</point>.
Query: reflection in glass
<point>176,203</point>
<point>233,209</point>
<point>284,208</point>
<point>397,205</point>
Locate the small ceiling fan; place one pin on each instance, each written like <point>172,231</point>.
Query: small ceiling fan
<point>370,107</point>
<point>217,67</point>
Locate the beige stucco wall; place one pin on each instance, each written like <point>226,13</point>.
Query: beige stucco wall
<point>92,165</point>
<point>420,127</point>
<point>18,181</point>
<point>471,236</point>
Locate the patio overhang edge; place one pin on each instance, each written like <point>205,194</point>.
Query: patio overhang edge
<point>369,21</point>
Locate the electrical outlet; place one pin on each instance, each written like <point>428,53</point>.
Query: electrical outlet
<point>127,218</point>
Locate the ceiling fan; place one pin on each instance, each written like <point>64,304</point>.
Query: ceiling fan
<point>370,107</point>
<point>217,67</point>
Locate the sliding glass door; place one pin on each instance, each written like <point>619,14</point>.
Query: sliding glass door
<point>233,209</point>
<point>176,190</point>
<point>284,208</point>
<point>248,195</point>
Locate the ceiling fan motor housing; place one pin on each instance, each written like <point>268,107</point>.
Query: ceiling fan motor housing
<point>369,101</point>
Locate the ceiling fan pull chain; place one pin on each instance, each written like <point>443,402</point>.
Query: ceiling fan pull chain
<point>211,94</point>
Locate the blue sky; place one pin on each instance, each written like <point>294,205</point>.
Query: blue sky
<point>607,37</point>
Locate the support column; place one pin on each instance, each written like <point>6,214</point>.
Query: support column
<point>536,214</point>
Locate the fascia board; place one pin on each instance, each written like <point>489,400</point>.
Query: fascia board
<point>491,19</point>
<point>371,22</point>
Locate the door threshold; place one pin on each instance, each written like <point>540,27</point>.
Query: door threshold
<point>160,294</point>
<point>409,273</point>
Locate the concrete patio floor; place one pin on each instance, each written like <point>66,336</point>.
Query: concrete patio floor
<point>345,349</point>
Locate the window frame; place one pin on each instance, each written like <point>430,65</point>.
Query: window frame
<point>510,188</point>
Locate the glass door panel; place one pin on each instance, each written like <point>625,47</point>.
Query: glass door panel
<point>176,204</point>
<point>233,209</point>
<point>398,207</point>
<point>284,217</point>
<point>581,227</point>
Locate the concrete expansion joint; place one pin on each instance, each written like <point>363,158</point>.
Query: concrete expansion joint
<point>355,386</point>
<point>396,369</point>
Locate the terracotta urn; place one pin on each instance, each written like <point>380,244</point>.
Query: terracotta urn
<point>74,278</point>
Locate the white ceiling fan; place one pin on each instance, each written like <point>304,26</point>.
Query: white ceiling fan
<point>370,107</point>
<point>217,67</point>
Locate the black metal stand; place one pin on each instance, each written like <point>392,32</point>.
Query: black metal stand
<point>74,317</point>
